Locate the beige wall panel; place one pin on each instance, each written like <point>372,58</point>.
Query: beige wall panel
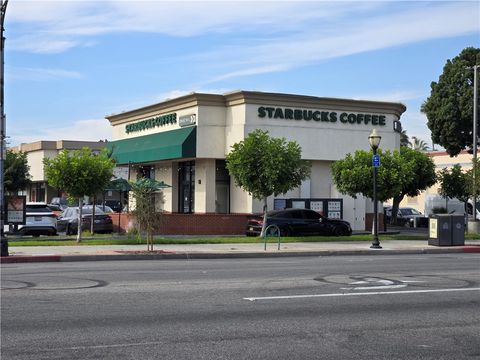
<point>204,186</point>
<point>240,201</point>
<point>163,172</point>
<point>234,126</point>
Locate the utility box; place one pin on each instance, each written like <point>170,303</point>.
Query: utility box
<point>446,230</point>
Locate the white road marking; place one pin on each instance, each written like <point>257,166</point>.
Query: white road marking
<point>376,287</point>
<point>286,297</point>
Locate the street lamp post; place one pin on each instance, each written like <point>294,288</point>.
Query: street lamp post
<point>475,140</point>
<point>374,140</point>
<point>3,239</point>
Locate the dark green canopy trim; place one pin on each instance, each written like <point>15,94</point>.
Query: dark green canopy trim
<point>175,144</point>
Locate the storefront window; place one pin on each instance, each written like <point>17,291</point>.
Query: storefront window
<point>186,187</point>
<point>37,192</point>
<point>222,188</point>
<point>146,171</point>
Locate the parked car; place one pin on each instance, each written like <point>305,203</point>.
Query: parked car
<point>58,204</point>
<point>39,220</point>
<point>406,216</point>
<point>299,222</point>
<point>115,205</point>
<point>68,220</point>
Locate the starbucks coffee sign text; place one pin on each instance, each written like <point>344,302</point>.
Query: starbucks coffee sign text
<point>321,116</point>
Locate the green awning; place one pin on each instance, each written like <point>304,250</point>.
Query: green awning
<point>175,144</point>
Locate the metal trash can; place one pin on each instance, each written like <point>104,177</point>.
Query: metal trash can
<point>446,230</point>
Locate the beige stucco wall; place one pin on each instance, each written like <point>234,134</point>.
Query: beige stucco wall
<point>324,140</point>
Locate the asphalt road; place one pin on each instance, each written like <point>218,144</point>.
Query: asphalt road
<point>356,307</point>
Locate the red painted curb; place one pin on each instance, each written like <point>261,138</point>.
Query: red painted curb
<point>471,249</point>
<point>28,259</point>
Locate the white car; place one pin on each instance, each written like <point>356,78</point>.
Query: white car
<point>40,220</point>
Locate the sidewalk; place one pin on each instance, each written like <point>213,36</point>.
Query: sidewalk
<point>212,251</point>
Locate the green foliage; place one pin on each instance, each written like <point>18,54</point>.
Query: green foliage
<point>146,216</point>
<point>79,172</point>
<point>401,173</point>
<point>16,171</point>
<point>449,108</point>
<point>418,144</point>
<point>262,165</point>
<point>454,183</point>
<point>353,175</point>
<point>404,139</point>
<point>418,171</point>
<point>417,174</point>
<point>474,181</point>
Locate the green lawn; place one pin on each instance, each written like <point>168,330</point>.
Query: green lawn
<point>115,240</point>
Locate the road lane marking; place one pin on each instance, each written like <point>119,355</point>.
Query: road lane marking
<point>286,297</point>
<point>376,287</point>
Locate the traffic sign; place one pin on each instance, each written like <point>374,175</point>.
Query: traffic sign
<point>376,161</point>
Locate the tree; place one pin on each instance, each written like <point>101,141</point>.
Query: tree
<point>16,174</point>
<point>404,172</point>
<point>474,181</point>
<point>454,183</point>
<point>147,218</point>
<point>449,109</point>
<point>417,174</point>
<point>353,175</point>
<point>418,144</point>
<point>404,140</point>
<point>265,166</point>
<point>79,173</point>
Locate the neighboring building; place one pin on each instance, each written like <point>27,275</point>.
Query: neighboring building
<point>183,142</point>
<point>442,160</point>
<point>39,190</point>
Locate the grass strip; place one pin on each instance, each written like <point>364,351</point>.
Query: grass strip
<point>109,240</point>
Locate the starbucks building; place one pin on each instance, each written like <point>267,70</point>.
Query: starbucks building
<point>183,142</point>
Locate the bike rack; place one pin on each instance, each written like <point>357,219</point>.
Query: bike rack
<point>277,232</point>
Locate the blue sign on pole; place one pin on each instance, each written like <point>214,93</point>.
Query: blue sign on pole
<point>376,161</point>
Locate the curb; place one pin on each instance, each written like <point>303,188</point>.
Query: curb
<point>244,255</point>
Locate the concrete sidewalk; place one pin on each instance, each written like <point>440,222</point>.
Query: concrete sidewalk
<point>211,251</point>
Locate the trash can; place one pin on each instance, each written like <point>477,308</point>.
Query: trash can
<point>458,230</point>
<point>446,230</point>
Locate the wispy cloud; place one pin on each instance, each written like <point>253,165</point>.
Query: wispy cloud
<point>367,34</point>
<point>38,74</point>
<point>395,96</point>
<point>78,130</point>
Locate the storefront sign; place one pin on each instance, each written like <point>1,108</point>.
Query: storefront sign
<point>323,116</point>
<point>151,123</point>
<point>187,120</point>
<point>15,209</point>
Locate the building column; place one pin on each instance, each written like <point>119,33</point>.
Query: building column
<point>205,186</point>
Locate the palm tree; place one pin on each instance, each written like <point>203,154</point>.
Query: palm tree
<point>404,140</point>
<point>418,144</point>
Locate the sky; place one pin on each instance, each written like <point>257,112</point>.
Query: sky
<point>70,63</point>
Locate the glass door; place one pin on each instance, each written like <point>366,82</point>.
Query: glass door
<point>186,187</point>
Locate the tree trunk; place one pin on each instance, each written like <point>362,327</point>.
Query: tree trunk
<point>395,206</point>
<point>264,225</point>
<point>93,214</point>
<point>79,227</point>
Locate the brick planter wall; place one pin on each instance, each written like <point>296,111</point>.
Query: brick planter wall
<point>190,224</point>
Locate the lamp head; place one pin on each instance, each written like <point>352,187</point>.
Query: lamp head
<point>374,139</point>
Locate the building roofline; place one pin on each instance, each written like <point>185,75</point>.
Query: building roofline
<point>58,145</point>
<point>170,105</point>
<point>239,97</point>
